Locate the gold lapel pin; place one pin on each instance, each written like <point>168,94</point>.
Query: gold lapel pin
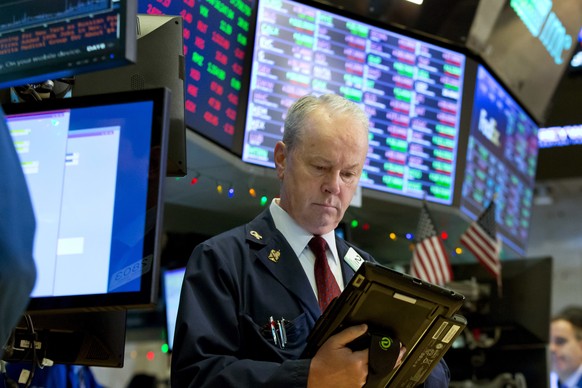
<point>274,255</point>
<point>256,235</point>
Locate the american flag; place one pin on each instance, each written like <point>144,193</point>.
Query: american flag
<point>430,261</point>
<point>481,239</point>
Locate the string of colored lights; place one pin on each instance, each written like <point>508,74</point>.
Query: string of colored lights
<point>355,221</point>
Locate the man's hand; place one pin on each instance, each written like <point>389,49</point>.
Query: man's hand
<point>400,355</point>
<point>335,365</point>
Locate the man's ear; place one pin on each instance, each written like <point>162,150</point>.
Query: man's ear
<point>280,156</point>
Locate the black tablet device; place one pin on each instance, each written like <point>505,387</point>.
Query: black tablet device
<point>398,309</point>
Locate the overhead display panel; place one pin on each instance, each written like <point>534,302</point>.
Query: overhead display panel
<point>528,45</point>
<point>411,89</point>
<point>501,161</point>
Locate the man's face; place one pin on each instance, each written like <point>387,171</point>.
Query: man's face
<point>565,348</point>
<point>320,175</point>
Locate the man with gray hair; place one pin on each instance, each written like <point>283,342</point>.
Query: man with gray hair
<point>252,295</point>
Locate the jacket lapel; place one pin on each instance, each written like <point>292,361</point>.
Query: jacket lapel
<point>273,251</point>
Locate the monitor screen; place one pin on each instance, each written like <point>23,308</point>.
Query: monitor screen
<point>411,89</point>
<point>501,161</point>
<point>508,326</point>
<point>560,152</point>
<point>528,45</point>
<point>215,49</point>
<point>45,40</point>
<point>92,338</point>
<point>92,165</point>
<point>560,136</point>
<point>172,285</point>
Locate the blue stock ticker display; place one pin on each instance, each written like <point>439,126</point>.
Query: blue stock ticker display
<point>411,90</point>
<point>215,44</point>
<point>501,159</point>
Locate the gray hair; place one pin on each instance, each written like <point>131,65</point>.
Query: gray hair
<point>299,112</point>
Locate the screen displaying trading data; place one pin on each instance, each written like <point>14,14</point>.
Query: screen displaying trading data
<point>560,136</point>
<point>215,42</point>
<point>55,39</point>
<point>411,90</point>
<point>501,159</point>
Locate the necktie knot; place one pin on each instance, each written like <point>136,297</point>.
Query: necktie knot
<point>327,288</point>
<point>318,246</point>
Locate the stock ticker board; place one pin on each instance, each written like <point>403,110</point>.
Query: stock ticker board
<point>215,44</point>
<point>412,91</point>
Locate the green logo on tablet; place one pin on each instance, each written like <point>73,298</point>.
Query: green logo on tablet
<point>385,343</point>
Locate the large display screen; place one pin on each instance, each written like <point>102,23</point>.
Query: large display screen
<point>501,160</point>
<point>46,40</point>
<point>560,136</point>
<point>215,47</point>
<point>94,169</point>
<point>411,89</point>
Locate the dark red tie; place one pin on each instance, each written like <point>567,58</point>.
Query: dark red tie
<point>327,287</point>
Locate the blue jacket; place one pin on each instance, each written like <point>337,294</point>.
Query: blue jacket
<point>233,283</point>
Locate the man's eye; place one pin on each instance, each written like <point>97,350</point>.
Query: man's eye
<point>560,341</point>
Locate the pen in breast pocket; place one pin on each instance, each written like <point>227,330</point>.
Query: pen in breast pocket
<point>273,329</point>
<point>282,333</point>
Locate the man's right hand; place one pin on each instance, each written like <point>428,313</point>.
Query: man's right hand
<point>337,366</point>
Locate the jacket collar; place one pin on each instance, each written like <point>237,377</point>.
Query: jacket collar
<point>270,248</point>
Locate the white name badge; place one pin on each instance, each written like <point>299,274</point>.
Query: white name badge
<point>353,259</point>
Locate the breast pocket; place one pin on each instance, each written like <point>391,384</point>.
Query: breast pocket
<point>263,341</point>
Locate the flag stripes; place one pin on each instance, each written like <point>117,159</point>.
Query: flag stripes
<point>430,261</point>
<point>485,248</point>
<point>482,241</point>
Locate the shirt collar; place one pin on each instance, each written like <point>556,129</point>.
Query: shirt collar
<point>572,381</point>
<point>295,235</point>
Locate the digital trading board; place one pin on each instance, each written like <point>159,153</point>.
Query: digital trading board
<point>215,44</point>
<point>412,91</point>
<point>501,160</point>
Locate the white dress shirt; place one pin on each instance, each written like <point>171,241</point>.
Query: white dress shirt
<point>298,238</point>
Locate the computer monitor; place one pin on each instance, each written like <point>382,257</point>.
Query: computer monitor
<point>45,40</point>
<point>160,63</point>
<point>95,338</point>
<point>560,136</point>
<point>411,88</point>
<point>508,326</point>
<point>560,152</point>
<point>92,165</point>
<point>172,285</point>
<point>520,307</point>
<point>501,160</point>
